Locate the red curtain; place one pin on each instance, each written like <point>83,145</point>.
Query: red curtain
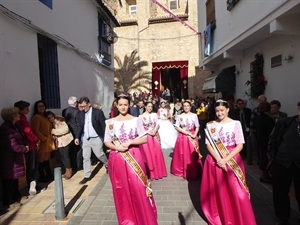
<point>158,66</point>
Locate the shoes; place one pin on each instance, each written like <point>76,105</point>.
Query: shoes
<point>265,180</point>
<point>32,189</point>
<point>68,173</point>
<point>84,180</point>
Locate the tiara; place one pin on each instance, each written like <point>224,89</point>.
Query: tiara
<point>220,100</point>
<point>122,95</point>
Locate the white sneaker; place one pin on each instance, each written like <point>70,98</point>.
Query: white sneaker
<point>32,189</point>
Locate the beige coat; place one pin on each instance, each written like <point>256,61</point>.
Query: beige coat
<point>62,133</point>
<point>41,127</point>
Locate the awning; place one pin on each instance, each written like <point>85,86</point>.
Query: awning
<point>224,82</point>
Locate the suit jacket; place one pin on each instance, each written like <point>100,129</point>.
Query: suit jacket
<point>70,115</point>
<point>247,116</point>
<point>98,122</point>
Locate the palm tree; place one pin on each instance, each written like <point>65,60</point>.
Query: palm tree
<point>130,75</point>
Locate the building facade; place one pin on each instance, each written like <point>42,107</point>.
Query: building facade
<point>157,48</point>
<point>260,42</point>
<point>52,49</point>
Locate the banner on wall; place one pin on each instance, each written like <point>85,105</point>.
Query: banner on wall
<point>207,40</point>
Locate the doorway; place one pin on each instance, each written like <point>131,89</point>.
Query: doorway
<point>170,78</point>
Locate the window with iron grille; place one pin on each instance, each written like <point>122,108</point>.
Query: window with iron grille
<point>47,3</point>
<point>49,77</point>
<point>104,45</point>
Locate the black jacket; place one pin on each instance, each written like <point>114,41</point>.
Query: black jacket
<point>284,142</point>
<point>70,114</point>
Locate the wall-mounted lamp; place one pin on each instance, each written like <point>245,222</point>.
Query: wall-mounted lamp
<point>184,83</point>
<point>236,72</point>
<point>288,58</point>
<point>155,83</point>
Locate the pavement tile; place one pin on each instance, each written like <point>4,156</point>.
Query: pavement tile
<point>177,201</point>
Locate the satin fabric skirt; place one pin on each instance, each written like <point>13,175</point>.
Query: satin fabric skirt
<point>168,134</point>
<point>155,162</point>
<point>223,198</point>
<point>133,207</point>
<point>185,161</point>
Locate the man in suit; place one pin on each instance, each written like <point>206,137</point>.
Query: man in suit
<point>71,116</point>
<point>141,107</point>
<point>284,153</point>
<point>93,134</point>
<point>243,114</point>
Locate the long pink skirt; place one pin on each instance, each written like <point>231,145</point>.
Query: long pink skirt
<point>154,157</point>
<point>185,161</point>
<point>223,198</point>
<point>133,207</point>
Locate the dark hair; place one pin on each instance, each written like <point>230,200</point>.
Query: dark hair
<point>21,104</point>
<point>35,107</point>
<point>187,101</point>
<point>147,103</point>
<point>239,100</point>
<point>275,102</point>
<point>264,107</point>
<point>123,96</point>
<point>49,113</point>
<point>84,99</point>
<point>298,104</point>
<point>221,102</point>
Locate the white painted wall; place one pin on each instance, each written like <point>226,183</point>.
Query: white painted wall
<point>283,82</point>
<point>75,21</point>
<point>245,15</point>
<point>246,18</point>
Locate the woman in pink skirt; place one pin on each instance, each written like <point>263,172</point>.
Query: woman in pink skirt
<point>131,190</point>
<point>224,194</point>
<point>152,151</point>
<point>186,161</point>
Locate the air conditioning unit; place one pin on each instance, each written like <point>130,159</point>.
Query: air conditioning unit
<point>132,9</point>
<point>173,4</point>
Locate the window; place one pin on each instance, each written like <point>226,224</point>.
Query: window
<point>210,12</point>
<point>47,3</point>
<point>104,44</point>
<point>173,4</point>
<point>49,77</point>
<point>276,61</point>
<point>132,9</point>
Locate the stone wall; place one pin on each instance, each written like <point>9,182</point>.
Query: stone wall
<point>152,36</point>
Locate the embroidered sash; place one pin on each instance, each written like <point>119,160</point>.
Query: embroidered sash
<point>192,140</point>
<point>220,148</point>
<point>132,163</point>
<point>138,171</point>
<point>195,144</point>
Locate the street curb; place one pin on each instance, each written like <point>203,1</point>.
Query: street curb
<point>78,216</point>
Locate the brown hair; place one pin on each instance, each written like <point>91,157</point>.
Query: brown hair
<point>8,114</point>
